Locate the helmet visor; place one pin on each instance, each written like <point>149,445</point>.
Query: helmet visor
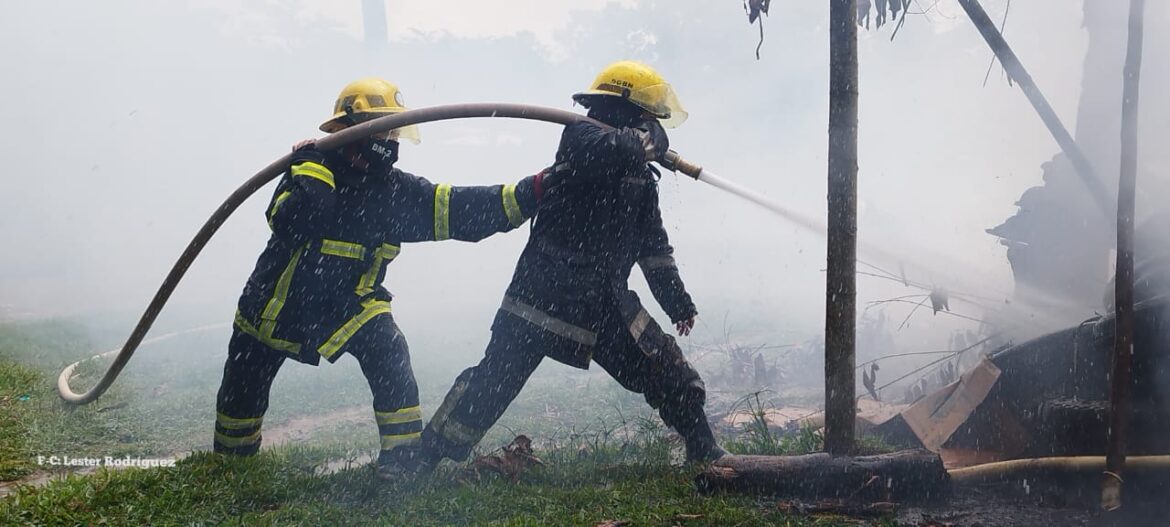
<point>341,121</point>
<point>660,100</point>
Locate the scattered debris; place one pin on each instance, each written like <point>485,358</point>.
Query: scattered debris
<point>838,507</point>
<point>939,300</point>
<point>869,379</point>
<point>863,9</point>
<point>886,11</point>
<point>513,460</point>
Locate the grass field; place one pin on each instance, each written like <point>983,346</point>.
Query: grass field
<point>607,457</point>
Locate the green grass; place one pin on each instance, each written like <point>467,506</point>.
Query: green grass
<point>16,459</point>
<point>31,356</point>
<point>280,487</point>
<point>607,455</point>
<point>760,439</point>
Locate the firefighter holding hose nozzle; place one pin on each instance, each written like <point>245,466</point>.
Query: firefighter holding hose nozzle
<point>569,299</point>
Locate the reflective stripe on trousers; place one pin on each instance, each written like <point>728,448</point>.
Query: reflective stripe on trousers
<point>399,427</point>
<point>453,431</point>
<point>237,432</point>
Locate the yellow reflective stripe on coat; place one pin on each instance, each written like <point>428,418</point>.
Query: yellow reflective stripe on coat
<point>403,415</point>
<point>235,442</point>
<point>390,442</point>
<point>384,253</point>
<point>264,335</point>
<point>442,212</point>
<point>276,205</point>
<point>237,423</point>
<point>372,309</point>
<point>315,171</point>
<point>511,206</point>
<point>280,295</point>
<point>343,249</point>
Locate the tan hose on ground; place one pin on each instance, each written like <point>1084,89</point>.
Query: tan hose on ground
<point>1031,468</point>
<point>331,142</point>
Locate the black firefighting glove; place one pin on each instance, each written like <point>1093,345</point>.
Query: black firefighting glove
<point>654,139</point>
<point>307,151</point>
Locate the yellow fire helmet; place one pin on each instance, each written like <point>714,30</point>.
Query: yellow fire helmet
<point>641,85</point>
<point>366,99</point>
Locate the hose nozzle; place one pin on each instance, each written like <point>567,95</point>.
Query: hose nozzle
<point>673,161</point>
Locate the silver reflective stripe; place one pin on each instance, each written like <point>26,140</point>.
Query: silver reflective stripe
<point>650,263</point>
<point>639,324</point>
<point>445,426</point>
<point>549,323</point>
<point>459,433</point>
<point>635,180</point>
<point>560,167</point>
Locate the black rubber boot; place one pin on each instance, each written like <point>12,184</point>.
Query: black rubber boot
<point>403,462</point>
<point>701,444</point>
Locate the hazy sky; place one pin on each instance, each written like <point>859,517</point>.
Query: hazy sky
<point>125,123</point>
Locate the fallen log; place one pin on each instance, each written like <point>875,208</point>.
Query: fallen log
<point>908,475</point>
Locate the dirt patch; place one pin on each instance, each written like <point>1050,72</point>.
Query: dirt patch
<point>301,429</point>
<point>869,414</point>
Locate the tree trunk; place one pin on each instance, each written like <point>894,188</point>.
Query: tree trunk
<point>840,280</point>
<point>1122,377</point>
<point>909,475</point>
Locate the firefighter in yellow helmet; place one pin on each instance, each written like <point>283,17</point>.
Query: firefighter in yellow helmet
<point>338,219</point>
<point>569,299</point>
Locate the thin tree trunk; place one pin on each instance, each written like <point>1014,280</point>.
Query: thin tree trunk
<point>1122,377</point>
<point>840,281</point>
<point>1016,70</point>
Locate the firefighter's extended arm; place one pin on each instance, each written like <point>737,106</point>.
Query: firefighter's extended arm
<point>304,198</point>
<point>657,262</point>
<point>439,212</point>
<point>598,151</point>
